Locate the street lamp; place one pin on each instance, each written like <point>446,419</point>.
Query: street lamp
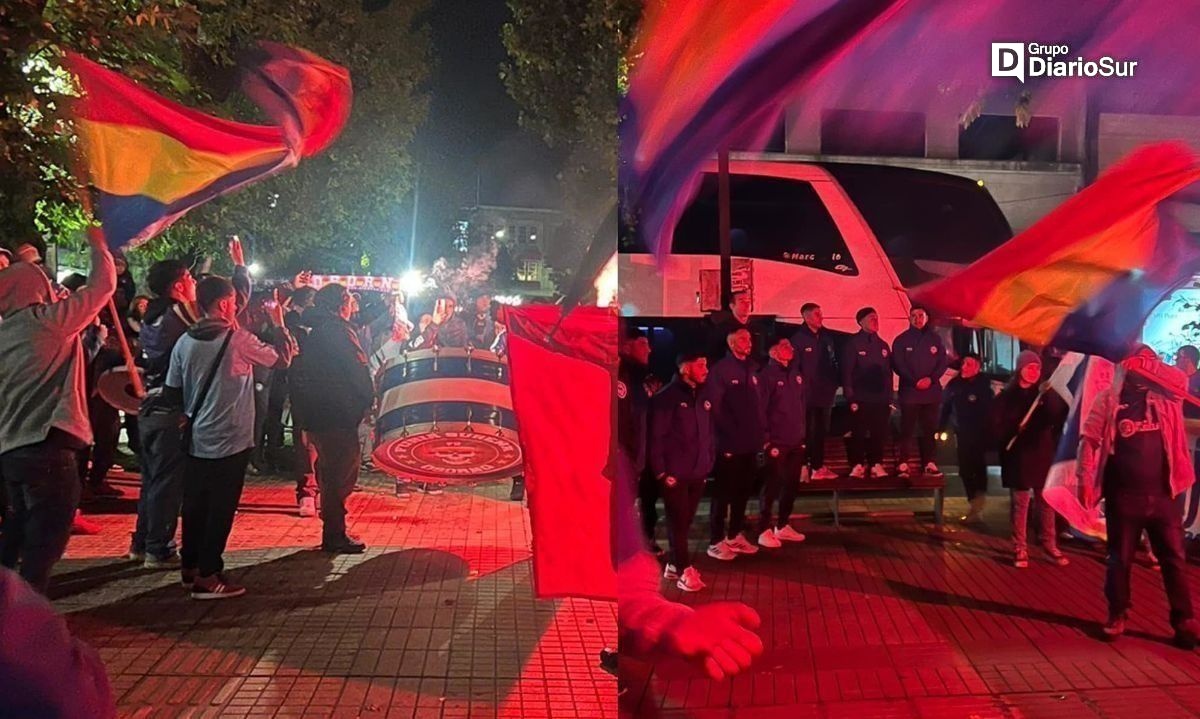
<point>499,234</point>
<point>254,268</point>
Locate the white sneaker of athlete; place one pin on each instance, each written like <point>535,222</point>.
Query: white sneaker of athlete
<point>858,472</point>
<point>670,573</point>
<point>769,540</point>
<point>878,472</point>
<point>690,581</point>
<point>721,551</point>
<point>741,545</point>
<point>787,534</point>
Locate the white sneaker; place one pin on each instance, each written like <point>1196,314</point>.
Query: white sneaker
<point>741,545</point>
<point>901,471</point>
<point>670,573</point>
<point>858,472</point>
<point>878,472</point>
<point>824,473</point>
<point>787,534</point>
<point>690,581</point>
<point>308,507</point>
<point>767,539</point>
<point>721,551</point>
<point>932,470</point>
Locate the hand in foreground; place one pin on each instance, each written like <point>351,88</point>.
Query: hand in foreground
<point>95,237</point>
<point>924,383</point>
<point>275,313</point>
<point>236,253</point>
<point>302,279</point>
<point>719,637</point>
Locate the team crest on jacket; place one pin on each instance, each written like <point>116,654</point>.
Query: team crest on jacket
<point>779,383</point>
<point>1127,428</point>
<point>970,398</point>
<point>885,352</point>
<point>622,390</point>
<point>808,349</point>
<point>754,380</point>
<point>933,350</point>
<point>707,405</point>
<point>799,379</point>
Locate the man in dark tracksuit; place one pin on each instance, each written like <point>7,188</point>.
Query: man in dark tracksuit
<point>331,393</point>
<point>867,382</point>
<point>783,393</point>
<point>817,361</point>
<point>633,405</point>
<point>919,358</point>
<point>681,453</point>
<point>968,406</point>
<point>741,435</point>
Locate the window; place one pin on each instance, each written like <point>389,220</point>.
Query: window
<point>925,221</point>
<point>865,133</point>
<point>997,137</point>
<point>771,219</point>
<point>530,271</point>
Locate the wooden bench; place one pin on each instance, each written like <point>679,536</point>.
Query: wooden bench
<point>889,485</point>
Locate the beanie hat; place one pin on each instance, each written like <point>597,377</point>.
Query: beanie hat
<point>1027,358</point>
<point>863,313</point>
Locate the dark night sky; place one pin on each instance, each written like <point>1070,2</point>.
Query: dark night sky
<point>472,125</point>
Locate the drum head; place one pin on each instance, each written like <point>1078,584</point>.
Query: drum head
<point>453,454</point>
<point>115,388</point>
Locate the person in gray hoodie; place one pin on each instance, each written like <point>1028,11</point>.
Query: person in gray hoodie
<point>43,407</point>
<point>212,374</point>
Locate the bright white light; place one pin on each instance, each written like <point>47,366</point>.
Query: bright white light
<point>499,234</point>
<point>514,300</point>
<point>606,284</point>
<point>533,238</point>
<point>254,268</point>
<point>413,282</point>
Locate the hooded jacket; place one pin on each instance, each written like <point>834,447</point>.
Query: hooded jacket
<point>42,363</point>
<point>329,382</point>
<point>223,423</point>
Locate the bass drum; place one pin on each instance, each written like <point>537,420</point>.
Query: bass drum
<point>445,416</point>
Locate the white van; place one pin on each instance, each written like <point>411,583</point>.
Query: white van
<point>845,236</point>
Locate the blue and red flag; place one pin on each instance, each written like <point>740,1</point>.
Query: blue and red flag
<point>149,160</point>
<point>1087,275</point>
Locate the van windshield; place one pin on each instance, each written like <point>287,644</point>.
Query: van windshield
<point>926,222</point>
<point>771,219</point>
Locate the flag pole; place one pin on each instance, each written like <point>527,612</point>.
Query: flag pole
<point>723,218</point>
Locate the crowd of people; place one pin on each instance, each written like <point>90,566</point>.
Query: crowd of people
<point>223,367</point>
<point>755,424</point>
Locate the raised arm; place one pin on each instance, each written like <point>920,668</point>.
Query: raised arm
<point>76,312</point>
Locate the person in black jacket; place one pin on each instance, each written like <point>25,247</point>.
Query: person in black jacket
<point>867,382</point>
<point>331,393</point>
<point>967,406</point>
<point>741,436</point>
<point>736,317</point>
<point>919,359</point>
<point>633,405</point>
<point>681,454</point>
<point>783,394</point>
<point>817,361</point>
<point>1029,421</point>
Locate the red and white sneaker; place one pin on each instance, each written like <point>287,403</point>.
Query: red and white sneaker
<point>721,551</point>
<point>216,587</point>
<point>824,473</point>
<point>901,471</point>
<point>787,534</point>
<point>670,573</point>
<point>858,472</point>
<point>878,472</point>
<point>690,581</point>
<point>769,540</point>
<point>932,470</point>
<point>741,545</point>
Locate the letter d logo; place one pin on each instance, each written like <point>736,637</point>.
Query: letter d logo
<point>1008,60</point>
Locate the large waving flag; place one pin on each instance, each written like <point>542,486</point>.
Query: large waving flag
<point>1087,275</point>
<point>563,390</point>
<point>149,160</point>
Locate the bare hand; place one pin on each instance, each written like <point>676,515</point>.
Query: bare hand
<point>275,314</point>
<point>236,253</point>
<point>302,279</point>
<point>441,312</point>
<point>719,637</point>
<point>95,237</point>
<point>854,406</point>
<point>924,383</point>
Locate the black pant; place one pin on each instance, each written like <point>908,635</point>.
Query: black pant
<point>972,465</point>
<point>131,430</point>
<point>1127,515</point>
<point>159,504</point>
<point>211,491</point>
<point>43,492</point>
<point>276,400</point>
<point>306,460</point>
<point>649,490</point>
<point>868,428</point>
<point>734,482</point>
<point>912,416</point>
<point>817,422</point>
<point>106,431</point>
<point>783,474</point>
<point>337,473</point>
<point>681,502</point>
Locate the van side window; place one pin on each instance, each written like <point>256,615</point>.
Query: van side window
<point>772,219</point>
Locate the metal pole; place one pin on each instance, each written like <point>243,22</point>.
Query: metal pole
<point>724,220</point>
<point>412,241</point>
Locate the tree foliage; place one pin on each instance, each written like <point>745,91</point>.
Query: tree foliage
<point>335,211</point>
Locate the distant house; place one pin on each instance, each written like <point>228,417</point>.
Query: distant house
<point>523,233</point>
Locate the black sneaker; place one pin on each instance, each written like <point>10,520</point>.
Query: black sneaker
<point>216,587</point>
<point>187,577</point>
<point>517,493</point>
<point>1186,635</point>
<point>348,545</point>
<point>104,489</point>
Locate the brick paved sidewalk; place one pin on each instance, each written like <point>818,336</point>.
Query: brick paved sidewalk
<point>886,619</point>
<point>437,619</point>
